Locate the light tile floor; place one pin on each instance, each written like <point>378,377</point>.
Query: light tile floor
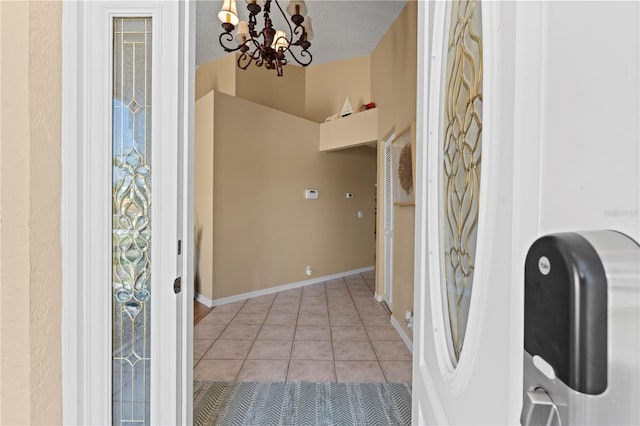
<point>328,332</point>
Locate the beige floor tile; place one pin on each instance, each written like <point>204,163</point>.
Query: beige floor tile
<point>249,319</point>
<point>217,318</point>
<point>313,300</point>
<point>309,332</point>
<point>349,333</point>
<point>367,302</point>
<point>338,282</point>
<point>264,371</point>
<point>294,292</point>
<point>240,332</point>
<point>353,351</point>
<point>313,310</point>
<point>313,289</point>
<point>217,370</point>
<point>200,347</point>
<point>229,349</point>
<point>255,308</point>
<point>289,308</point>
<point>383,332</point>
<point>338,293</point>
<point>207,331</point>
<point>311,371</point>
<point>308,349</point>
<point>280,318</point>
<point>392,351</point>
<point>286,301</point>
<point>268,299</point>
<point>359,371</point>
<point>344,319</point>
<point>397,371</point>
<point>372,311</point>
<point>270,349</point>
<point>277,332</point>
<point>376,319</point>
<point>229,308</point>
<point>317,320</point>
<point>343,310</point>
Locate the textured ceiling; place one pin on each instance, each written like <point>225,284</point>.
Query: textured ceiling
<point>343,29</point>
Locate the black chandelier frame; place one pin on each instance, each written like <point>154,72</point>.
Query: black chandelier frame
<point>263,54</point>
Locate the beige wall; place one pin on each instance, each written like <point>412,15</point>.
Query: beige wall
<point>257,84</point>
<point>264,87</point>
<point>204,195</point>
<point>265,231</point>
<point>328,85</point>
<point>393,87</point>
<point>30,261</point>
<point>218,75</point>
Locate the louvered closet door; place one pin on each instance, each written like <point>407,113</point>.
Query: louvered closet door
<point>388,223</point>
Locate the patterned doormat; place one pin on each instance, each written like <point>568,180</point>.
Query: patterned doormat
<point>289,404</point>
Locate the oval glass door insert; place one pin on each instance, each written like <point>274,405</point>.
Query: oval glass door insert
<point>461,116</point>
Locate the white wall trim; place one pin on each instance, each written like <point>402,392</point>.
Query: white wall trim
<point>86,212</point>
<point>244,296</point>
<point>406,339</point>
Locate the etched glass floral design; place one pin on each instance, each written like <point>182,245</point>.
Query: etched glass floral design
<point>461,154</point>
<point>131,192</point>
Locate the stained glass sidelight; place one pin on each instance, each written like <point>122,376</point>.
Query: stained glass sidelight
<point>461,153</point>
<point>131,192</point>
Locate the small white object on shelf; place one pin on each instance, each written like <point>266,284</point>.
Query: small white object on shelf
<point>346,108</point>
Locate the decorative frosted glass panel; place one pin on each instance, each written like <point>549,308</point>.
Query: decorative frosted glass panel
<point>131,220</point>
<point>461,153</point>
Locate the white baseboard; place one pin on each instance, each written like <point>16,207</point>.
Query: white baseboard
<point>244,296</point>
<point>407,341</point>
<point>204,300</point>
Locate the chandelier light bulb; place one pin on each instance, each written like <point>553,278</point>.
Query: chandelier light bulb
<point>308,27</point>
<point>301,8</point>
<point>280,40</point>
<point>228,14</point>
<point>242,33</point>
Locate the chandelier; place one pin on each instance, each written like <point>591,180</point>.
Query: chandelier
<point>268,46</point>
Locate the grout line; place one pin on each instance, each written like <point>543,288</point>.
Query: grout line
<point>333,352</point>
<point>256,336</point>
<point>293,341</point>
<point>369,337</point>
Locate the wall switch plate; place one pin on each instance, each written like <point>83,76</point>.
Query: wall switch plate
<point>360,214</point>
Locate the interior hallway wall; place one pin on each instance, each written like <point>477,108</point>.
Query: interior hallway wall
<point>264,231</point>
<point>393,88</point>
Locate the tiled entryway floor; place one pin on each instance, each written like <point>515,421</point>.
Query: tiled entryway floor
<point>327,332</point>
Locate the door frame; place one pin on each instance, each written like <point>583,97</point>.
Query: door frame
<point>86,210</point>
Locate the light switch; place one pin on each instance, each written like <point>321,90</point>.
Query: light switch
<point>311,194</point>
<point>360,214</point>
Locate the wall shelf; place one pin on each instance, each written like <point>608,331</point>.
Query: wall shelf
<point>356,129</point>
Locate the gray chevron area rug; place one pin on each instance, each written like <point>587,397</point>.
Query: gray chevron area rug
<point>301,403</point>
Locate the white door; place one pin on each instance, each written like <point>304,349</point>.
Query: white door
<point>127,221</point>
<point>559,152</point>
<point>388,223</point>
